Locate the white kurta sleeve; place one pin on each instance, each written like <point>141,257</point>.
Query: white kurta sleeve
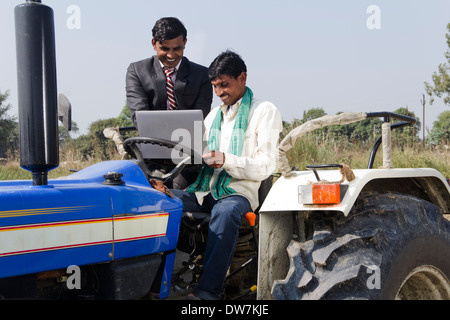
<point>259,156</point>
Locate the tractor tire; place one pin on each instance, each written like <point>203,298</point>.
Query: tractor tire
<point>390,246</point>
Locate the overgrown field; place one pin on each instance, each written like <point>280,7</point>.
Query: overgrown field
<point>70,161</point>
<point>307,150</point>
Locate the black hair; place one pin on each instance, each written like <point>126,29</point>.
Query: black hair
<point>167,29</point>
<point>227,63</point>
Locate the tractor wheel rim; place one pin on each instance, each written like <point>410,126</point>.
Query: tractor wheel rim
<point>425,283</point>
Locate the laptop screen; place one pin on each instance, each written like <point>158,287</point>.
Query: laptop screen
<point>181,126</point>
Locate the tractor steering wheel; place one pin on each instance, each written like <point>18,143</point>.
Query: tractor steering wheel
<point>131,147</point>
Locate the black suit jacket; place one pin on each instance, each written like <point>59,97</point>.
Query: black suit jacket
<point>146,87</point>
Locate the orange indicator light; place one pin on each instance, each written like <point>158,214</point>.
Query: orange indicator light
<point>326,193</point>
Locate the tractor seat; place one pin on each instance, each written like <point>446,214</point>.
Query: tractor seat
<point>194,225</point>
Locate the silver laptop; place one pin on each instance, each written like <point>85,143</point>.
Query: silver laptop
<point>181,126</point>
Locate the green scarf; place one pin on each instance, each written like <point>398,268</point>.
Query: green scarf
<point>220,188</point>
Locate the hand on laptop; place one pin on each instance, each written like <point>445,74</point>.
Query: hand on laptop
<point>214,159</point>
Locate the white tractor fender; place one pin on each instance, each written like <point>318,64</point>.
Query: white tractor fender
<point>284,194</point>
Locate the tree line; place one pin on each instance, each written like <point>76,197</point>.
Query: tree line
<point>95,145</point>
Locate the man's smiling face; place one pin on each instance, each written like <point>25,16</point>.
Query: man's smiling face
<point>170,52</point>
<point>229,89</point>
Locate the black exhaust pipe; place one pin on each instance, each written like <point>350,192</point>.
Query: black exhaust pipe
<point>37,92</point>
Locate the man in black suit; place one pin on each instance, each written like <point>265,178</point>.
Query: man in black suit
<point>146,80</point>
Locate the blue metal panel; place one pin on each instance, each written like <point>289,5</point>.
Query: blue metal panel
<point>82,199</point>
<point>37,204</point>
<point>137,201</point>
<point>23,210</point>
<point>132,174</point>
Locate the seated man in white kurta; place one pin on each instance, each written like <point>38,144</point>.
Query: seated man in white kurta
<point>243,134</point>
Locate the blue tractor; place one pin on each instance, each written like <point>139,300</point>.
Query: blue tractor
<point>101,233</point>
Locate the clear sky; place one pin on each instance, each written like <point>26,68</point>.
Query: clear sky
<point>338,55</point>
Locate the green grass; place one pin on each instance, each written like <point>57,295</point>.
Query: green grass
<point>70,160</point>
<point>12,170</point>
<point>306,150</point>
